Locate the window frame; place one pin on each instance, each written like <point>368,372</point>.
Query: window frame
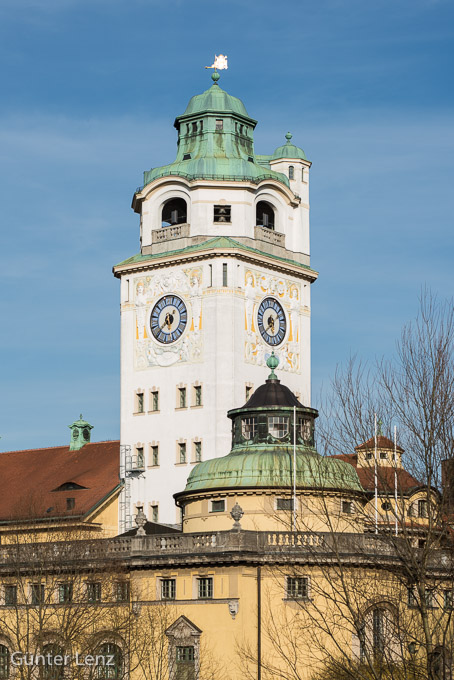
<point>216,505</point>
<point>182,453</point>
<point>297,588</point>
<point>10,588</point>
<point>285,504</point>
<point>93,591</point>
<point>65,592</point>
<point>169,585</point>
<point>34,590</point>
<point>205,587</point>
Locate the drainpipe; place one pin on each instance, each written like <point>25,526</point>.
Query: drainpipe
<point>259,624</point>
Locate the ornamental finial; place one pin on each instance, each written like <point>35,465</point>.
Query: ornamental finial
<point>288,137</point>
<point>272,362</point>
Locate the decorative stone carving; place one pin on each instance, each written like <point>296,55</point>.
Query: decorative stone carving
<point>236,513</point>
<point>141,520</point>
<point>187,284</point>
<point>234,607</point>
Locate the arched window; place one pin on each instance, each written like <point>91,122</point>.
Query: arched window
<point>264,216</point>
<point>112,668</point>
<point>174,212</point>
<point>440,664</point>
<point>379,638</point>
<point>4,662</point>
<point>50,671</point>
<point>291,172</point>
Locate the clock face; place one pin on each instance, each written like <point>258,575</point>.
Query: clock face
<point>168,319</point>
<point>271,321</point>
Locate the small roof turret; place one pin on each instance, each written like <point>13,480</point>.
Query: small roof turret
<point>288,150</point>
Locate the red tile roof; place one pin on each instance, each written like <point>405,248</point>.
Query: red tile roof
<point>405,481</point>
<point>382,443</point>
<point>28,480</point>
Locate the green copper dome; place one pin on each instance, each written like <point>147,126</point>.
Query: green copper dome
<point>289,150</point>
<point>271,468</point>
<point>217,100</point>
<point>263,433</point>
<point>215,142</point>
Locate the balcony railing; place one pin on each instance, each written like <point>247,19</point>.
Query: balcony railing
<point>170,233</point>
<point>270,236</point>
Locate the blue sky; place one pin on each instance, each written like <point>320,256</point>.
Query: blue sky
<point>89,92</point>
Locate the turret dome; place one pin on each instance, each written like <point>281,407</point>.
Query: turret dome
<point>288,150</point>
<point>267,431</point>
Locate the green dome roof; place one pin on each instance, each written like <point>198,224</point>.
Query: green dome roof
<point>215,99</point>
<point>289,150</point>
<point>272,468</point>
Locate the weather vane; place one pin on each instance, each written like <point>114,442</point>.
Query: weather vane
<point>220,62</point>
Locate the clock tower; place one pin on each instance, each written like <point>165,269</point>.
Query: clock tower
<point>222,279</point>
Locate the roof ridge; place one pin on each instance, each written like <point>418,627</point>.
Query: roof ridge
<point>60,446</point>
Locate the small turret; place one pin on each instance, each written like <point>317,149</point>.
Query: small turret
<point>80,434</point>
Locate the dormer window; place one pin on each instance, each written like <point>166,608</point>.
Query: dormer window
<point>219,125</point>
<point>278,426</point>
<point>291,172</point>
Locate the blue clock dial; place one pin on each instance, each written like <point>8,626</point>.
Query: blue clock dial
<point>271,321</point>
<point>168,319</point>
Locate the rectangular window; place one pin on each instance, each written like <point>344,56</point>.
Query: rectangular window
<point>37,593</point>
<point>224,274</point>
<point>347,507</point>
<point>122,591</point>
<point>155,455</point>
<point>447,599</point>
<point>185,663</point>
<point>249,427</point>
<point>217,506</point>
<point>422,508</point>
<point>182,453</point>
<point>222,213</point>
<point>278,426</point>
<point>70,503</point>
<point>65,593</point>
<point>411,597</point>
<point>219,124</point>
<point>94,591</point>
<point>429,597</point>
<point>10,595</point>
<point>168,588</point>
<point>369,455</point>
<point>305,429</point>
<point>205,588</point>
<point>140,459</point>
<point>248,392</point>
<point>383,455</point>
<point>140,408</point>
<point>197,451</point>
<point>284,503</point>
<point>182,397</point>
<point>210,268</point>
<point>298,587</point>
<point>197,395</point>
<point>154,513</point>
<point>155,400</point>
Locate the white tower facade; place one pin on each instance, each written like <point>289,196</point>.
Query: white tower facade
<point>222,280</point>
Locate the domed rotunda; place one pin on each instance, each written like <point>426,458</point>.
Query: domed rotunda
<point>273,471</point>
